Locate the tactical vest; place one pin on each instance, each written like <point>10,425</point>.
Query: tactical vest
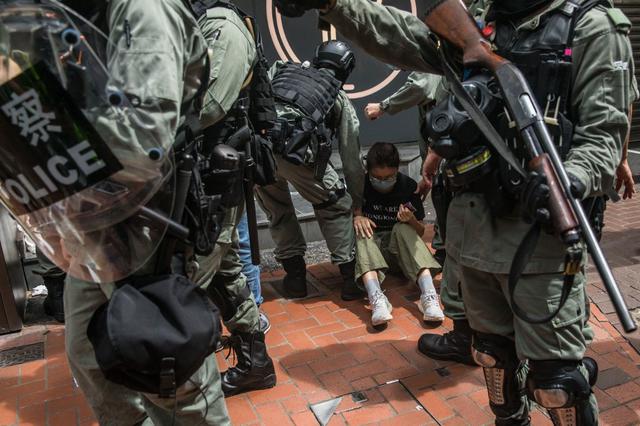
<point>545,56</point>
<point>255,101</point>
<point>311,90</point>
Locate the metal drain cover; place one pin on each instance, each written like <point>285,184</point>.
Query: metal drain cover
<point>21,354</point>
<point>380,403</point>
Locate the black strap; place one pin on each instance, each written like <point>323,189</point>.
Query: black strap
<point>333,198</point>
<point>520,262</point>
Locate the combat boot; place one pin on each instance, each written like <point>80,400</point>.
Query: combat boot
<point>254,369</point>
<point>452,346</point>
<point>54,303</point>
<point>295,282</point>
<point>350,290</point>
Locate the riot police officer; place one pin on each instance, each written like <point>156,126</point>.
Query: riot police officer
<point>592,87</point>
<point>92,160</point>
<point>239,95</point>
<point>313,111</point>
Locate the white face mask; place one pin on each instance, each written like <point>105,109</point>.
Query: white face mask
<point>383,186</point>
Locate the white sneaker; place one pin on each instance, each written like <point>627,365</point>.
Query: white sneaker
<point>381,309</point>
<point>430,307</point>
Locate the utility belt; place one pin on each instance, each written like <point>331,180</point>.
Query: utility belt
<point>292,139</point>
<point>478,173</point>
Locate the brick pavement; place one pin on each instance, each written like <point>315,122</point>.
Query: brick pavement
<point>323,348</point>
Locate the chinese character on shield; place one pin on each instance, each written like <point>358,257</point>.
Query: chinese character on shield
<point>25,111</point>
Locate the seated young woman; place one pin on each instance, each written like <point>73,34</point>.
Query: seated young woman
<point>389,235</point>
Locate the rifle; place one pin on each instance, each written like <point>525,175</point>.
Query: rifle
<point>452,22</point>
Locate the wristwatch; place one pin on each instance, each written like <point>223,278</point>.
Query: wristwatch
<point>384,105</point>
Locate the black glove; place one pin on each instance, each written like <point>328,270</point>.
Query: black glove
<point>297,8</point>
<point>577,187</point>
<point>535,198</point>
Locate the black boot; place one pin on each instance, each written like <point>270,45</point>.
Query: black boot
<point>254,369</point>
<point>350,290</point>
<point>452,346</point>
<point>295,282</point>
<point>54,303</point>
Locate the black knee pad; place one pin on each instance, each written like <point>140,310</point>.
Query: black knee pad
<point>560,387</point>
<point>497,356</point>
<point>226,302</point>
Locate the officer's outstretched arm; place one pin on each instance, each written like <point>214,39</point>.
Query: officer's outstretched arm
<point>389,34</point>
<point>603,90</point>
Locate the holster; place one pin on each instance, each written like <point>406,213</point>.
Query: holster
<point>323,153</point>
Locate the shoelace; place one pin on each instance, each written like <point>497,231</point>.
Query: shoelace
<point>228,343</point>
<point>431,297</point>
<point>377,299</point>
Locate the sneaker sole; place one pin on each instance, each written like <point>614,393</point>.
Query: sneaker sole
<point>432,319</point>
<point>382,322</point>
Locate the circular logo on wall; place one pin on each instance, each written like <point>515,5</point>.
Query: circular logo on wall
<point>296,40</point>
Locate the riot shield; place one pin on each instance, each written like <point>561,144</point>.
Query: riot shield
<point>79,156</point>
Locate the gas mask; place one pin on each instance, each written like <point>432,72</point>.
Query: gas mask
<point>452,132</point>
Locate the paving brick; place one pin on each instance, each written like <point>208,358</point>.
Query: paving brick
<point>605,402</point>
<point>241,410</point>
<point>283,391</point>
<point>612,377</point>
<point>333,363</point>
<point>300,341</point>
<point>435,405</point>
<point>457,386</point>
<point>273,413</point>
<point>371,414</point>
<point>32,371</point>
<point>398,397</point>
<point>34,398</point>
<point>469,411</point>
<point>624,393</point>
<point>9,376</point>
<point>322,314</point>
<point>63,418</point>
<point>363,384</point>
<point>304,419</point>
<point>335,383</point>
<point>9,410</point>
<point>295,404</point>
<point>365,370</point>
<point>36,415</point>
<point>325,329</point>
<point>619,416</point>
<point>413,418</point>
<point>305,379</point>
<point>296,326</point>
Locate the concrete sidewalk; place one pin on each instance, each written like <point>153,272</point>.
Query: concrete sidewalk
<point>324,348</point>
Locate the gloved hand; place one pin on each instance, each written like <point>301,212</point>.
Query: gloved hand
<point>297,8</point>
<point>535,198</point>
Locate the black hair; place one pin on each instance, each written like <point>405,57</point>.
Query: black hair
<point>383,154</point>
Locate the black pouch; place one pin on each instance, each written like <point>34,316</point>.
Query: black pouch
<point>295,149</point>
<point>154,333</point>
<point>265,163</point>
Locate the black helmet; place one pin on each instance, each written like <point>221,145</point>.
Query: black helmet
<point>337,56</point>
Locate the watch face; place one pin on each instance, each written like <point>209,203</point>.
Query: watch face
<point>369,77</point>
